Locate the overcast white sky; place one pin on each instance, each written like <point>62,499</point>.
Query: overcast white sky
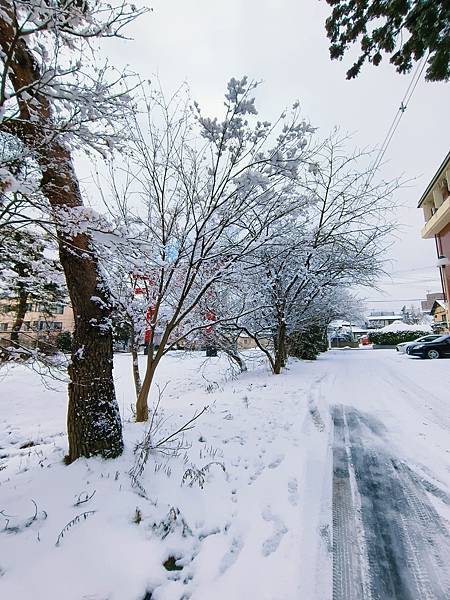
<point>283,43</point>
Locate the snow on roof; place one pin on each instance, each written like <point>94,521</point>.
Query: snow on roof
<point>398,326</point>
<point>384,318</point>
<point>339,323</point>
<point>441,303</point>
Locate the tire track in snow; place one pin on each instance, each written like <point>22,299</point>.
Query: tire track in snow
<point>406,542</point>
<point>347,568</point>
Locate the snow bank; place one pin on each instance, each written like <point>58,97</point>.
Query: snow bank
<point>243,506</point>
<point>398,326</point>
<point>231,505</point>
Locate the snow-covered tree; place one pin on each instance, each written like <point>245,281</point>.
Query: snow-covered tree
<point>55,99</point>
<point>28,273</point>
<point>203,196</point>
<point>338,243</point>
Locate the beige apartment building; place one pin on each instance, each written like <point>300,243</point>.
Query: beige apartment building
<point>435,203</point>
<point>38,324</point>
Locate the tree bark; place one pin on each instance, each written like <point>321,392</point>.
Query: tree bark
<point>230,348</point>
<point>153,360</point>
<point>135,362</point>
<point>234,355</point>
<point>142,399</point>
<point>280,348</point>
<point>20,315</point>
<point>93,419</point>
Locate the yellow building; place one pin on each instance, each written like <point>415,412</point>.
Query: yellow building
<point>435,203</point>
<point>38,323</point>
<point>439,314</point>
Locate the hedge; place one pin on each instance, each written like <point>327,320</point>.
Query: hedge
<point>392,338</point>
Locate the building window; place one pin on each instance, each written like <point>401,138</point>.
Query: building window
<point>4,326</point>
<point>47,325</point>
<point>58,309</point>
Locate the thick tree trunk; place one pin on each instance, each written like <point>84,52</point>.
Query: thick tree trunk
<point>280,348</point>
<point>20,316</point>
<point>93,419</point>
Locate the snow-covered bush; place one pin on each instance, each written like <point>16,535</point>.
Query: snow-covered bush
<point>392,338</point>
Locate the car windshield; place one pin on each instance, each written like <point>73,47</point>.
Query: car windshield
<point>442,338</point>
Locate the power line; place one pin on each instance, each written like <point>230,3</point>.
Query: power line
<point>394,300</point>
<point>399,114</point>
<point>427,267</point>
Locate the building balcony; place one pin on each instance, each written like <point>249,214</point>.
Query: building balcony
<point>438,221</point>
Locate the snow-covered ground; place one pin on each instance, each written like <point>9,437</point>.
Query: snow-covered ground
<point>285,483</point>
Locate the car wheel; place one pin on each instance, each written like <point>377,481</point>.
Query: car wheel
<point>433,354</point>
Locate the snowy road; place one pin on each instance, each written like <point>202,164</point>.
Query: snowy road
<point>389,541</point>
<point>329,482</point>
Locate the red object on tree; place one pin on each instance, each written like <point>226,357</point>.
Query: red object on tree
<point>210,316</point>
<point>148,332</point>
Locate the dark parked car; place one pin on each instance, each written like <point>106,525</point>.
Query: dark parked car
<point>406,346</point>
<point>436,349</point>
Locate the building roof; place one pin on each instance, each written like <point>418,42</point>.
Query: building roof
<point>384,317</point>
<point>435,178</point>
<point>438,304</point>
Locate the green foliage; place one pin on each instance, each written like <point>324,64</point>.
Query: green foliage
<point>392,338</point>
<point>27,271</point>
<point>64,341</point>
<point>406,30</point>
<point>307,344</point>
<point>121,336</point>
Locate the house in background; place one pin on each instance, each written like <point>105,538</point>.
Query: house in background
<point>427,304</point>
<point>439,312</point>
<point>378,319</point>
<point>343,333</point>
<point>435,203</point>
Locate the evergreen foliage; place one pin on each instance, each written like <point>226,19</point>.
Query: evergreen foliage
<point>405,30</point>
<point>308,344</point>
<point>392,338</point>
<point>64,341</point>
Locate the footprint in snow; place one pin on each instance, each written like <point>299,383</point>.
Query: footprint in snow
<point>271,544</point>
<point>231,556</point>
<point>293,492</point>
<point>256,474</point>
<point>276,462</point>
